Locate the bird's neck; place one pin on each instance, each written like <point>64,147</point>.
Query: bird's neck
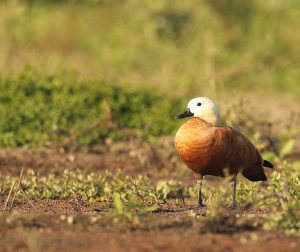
<point>211,119</point>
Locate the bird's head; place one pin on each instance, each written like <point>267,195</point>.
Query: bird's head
<point>203,108</point>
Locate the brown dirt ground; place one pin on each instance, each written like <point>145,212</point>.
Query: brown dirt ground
<point>56,225</point>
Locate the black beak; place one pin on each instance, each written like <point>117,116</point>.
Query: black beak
<point>186,113</point>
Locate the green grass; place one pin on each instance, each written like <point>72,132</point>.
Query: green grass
<point>181,47</point>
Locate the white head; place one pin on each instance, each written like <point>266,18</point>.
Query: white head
<point>203,108</point>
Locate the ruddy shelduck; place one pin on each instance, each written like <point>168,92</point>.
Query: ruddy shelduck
<point>208,148</point>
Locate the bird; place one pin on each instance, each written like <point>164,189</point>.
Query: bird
<point>209,148</point>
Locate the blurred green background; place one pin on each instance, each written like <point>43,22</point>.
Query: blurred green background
<point>181,46</point>
<point>60,61</point>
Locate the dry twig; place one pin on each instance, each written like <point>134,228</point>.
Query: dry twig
<point>18,186</point>
<point>9,194</point>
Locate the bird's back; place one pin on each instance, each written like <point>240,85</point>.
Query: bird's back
<point>215,150</point>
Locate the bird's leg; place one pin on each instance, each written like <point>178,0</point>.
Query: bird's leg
<point>199,186</point>
<point>233,187</point>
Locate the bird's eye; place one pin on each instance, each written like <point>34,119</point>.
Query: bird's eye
<point>199,104</point>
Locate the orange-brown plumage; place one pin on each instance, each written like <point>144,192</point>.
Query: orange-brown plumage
<point>210,149</point>
<point>214,150</point>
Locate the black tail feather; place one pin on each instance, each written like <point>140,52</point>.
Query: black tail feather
<point>268,164</point>
<point>254,176</point>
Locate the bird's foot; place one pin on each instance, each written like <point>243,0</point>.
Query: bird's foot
<point>199,206</point>
<point>233,206</point>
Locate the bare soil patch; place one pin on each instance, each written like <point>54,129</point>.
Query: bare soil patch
<point>71,225</point>
<point>154,233</point>
<point>48,161</point>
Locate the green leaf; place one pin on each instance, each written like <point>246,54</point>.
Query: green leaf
<point>118,203</point>
<point>136,202</point>
<point>153,195</point>
<point>151,208</point>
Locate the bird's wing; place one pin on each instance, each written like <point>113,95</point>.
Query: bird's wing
<point>241,154</point>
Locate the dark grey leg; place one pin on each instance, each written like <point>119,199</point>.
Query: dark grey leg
<point>199,185</point>
<point>233,187</point>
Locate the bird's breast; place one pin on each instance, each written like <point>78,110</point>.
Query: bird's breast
<point>194,143</point>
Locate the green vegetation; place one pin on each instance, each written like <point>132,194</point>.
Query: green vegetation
<point>44,110</point>
<point>182,47</point>
<point>132,197</point>
<point>39,109</point>
<point>100,187</point>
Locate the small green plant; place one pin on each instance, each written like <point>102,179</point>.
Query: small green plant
<point>135,192</point>
<point>134,197</point>
<point>130,210</point>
